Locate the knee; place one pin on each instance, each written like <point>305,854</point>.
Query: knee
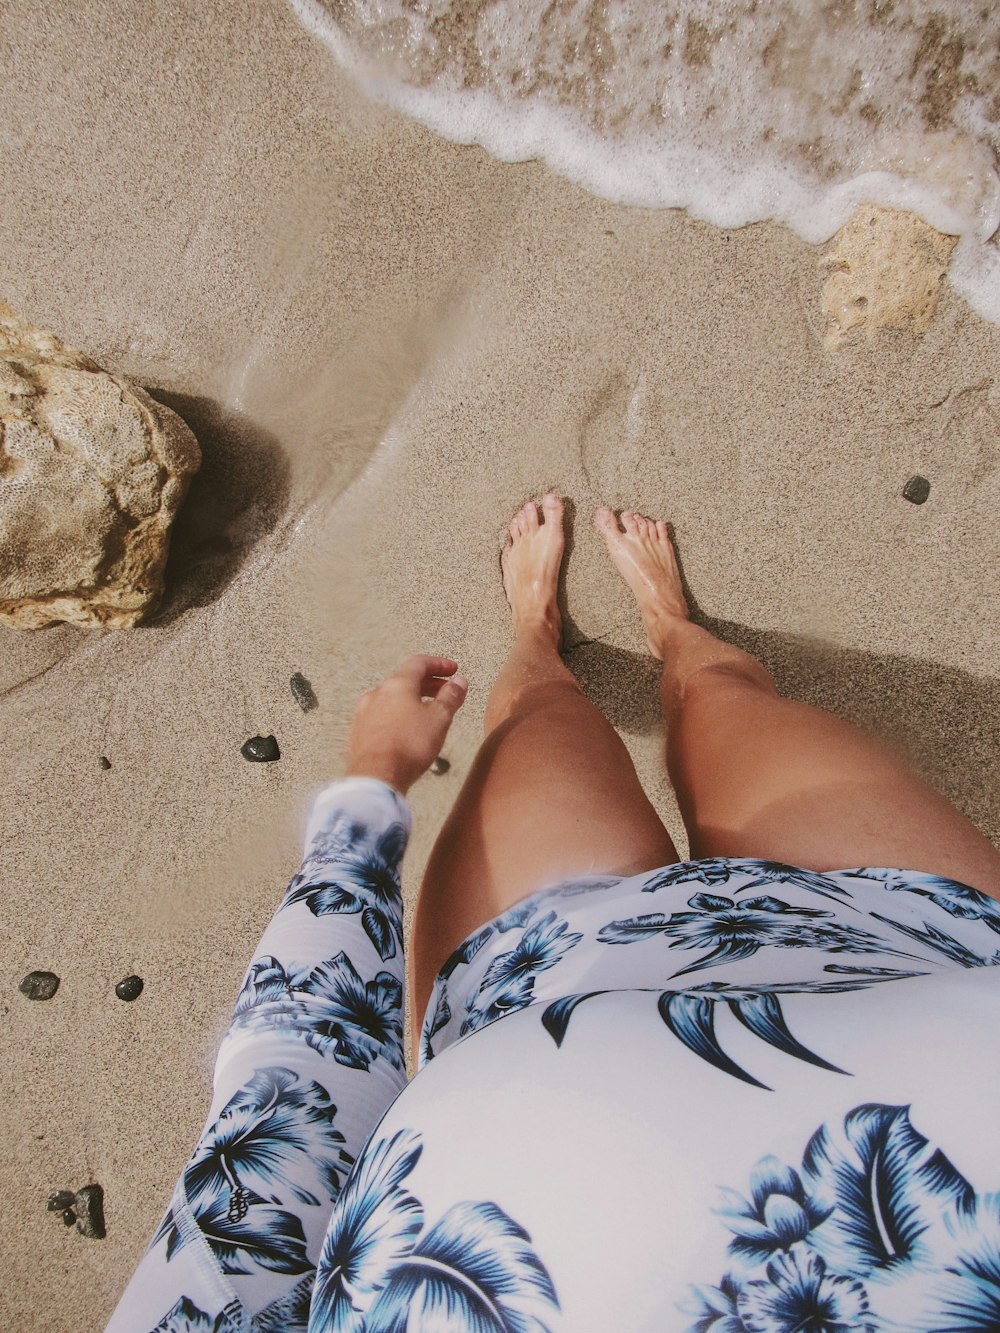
<point>733,669</point>
<point>552,695</point>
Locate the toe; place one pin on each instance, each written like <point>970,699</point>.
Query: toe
<point>530,516</point>
<point>661,529</point>
<point>640,525</point>
<point>604,521</point>
<point>628,522</point>
<point>551,503</point>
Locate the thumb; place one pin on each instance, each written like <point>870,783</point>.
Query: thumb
<point>451,695</point>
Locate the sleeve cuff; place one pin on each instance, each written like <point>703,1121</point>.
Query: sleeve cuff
<point>368,800</point>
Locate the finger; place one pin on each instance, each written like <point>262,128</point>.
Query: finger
<point>431,688</point>
<point>451,696</point>
<point>418,666</point>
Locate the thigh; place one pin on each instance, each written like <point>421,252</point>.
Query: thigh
<point>761,776</point>
<point>553,794</point>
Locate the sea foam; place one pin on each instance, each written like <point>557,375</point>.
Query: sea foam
<point>734,110</point>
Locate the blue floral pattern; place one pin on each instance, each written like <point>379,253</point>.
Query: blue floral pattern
<point>285,1315</point>
<point>384,1270</point>
<point>717,870</point>
<point>330,1005</point>
<point>185,1317</point>
<point>842,945</point>
<point>958,900</point>
<point>778,1213</point>
<point>942,942</point>
<point>320,1012</point>
<point>508,983</point>
<point>364,880</point>
<point>735,930</point>
<point>876,1230</point>
<point>277,1130</point>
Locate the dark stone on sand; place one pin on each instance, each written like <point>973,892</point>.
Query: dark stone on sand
<point>60,1200</point>
<point>917,490</point>
<point>104,761</point>
<point>440,765</point>
<point>260,750</point>
<point>69,1217</point>
<point>129,988</point>
<point>90,1207</point>
<point>39,985</point>
<point>305,695</point>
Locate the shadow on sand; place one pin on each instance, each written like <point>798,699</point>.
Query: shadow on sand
<point>237,498</point>
<point>945,720</point>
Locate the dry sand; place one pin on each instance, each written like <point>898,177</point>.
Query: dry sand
<point>385,343</point>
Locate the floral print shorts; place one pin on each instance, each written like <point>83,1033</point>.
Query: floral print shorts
<point>726,1096</point>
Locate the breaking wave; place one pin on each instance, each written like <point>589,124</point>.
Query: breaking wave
<point>733,110</point>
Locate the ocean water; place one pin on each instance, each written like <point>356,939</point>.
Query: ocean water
<point>735,110</point>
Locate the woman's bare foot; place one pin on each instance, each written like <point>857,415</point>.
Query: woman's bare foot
<point>644,556</point>
<point>530,564</point>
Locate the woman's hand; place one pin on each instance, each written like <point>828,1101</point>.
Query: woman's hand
<point>400,725</point>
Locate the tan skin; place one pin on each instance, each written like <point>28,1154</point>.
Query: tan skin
<point>553,792</point>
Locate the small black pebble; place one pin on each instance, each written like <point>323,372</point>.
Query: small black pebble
<point>305,695</point>
<point>917,490</point>
<point>90,1206</point>
<point>59,1200</point>
<point>129,988</point>
<point>39,985</point>
<point>69,1217</point>
<point>260,750</point>
<point>440,765</point>
<point>104,761</point>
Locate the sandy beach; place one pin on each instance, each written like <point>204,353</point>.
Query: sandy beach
<point>385,343</point>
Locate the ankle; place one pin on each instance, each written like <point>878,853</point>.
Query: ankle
<point>667,632</point>
<point>542,623</point>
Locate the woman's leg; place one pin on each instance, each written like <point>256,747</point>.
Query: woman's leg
<point>312,1059</point>
<point>761,776</point>
<point>553,792</point>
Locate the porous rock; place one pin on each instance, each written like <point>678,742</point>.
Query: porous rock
<point>92,472</point>
<point>885,270</point>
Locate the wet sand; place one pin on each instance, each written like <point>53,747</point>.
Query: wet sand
<point>385,343</point>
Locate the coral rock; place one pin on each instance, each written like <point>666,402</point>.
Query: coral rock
<point>92,472</point>
<point>885,270</point>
